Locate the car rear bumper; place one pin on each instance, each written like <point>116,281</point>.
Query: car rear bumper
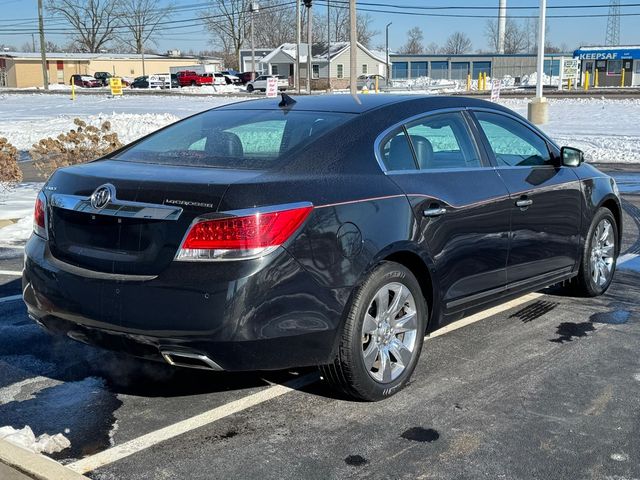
<point>259,314</point>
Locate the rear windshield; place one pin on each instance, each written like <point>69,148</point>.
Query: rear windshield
<point>246,139</point>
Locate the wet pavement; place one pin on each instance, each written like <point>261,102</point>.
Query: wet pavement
<point>548,389</point>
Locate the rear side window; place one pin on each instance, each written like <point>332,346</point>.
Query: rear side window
<point>443,141</point>
<point>513,144</point>
<point>246,139</point>
<point>396,152</point>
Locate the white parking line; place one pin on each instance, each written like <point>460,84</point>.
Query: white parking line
<point>118,452</point>
<point>627,257</point>
<point>11,273</point>
<point>11,298</point>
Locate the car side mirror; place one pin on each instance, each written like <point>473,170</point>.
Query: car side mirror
<point>571,157</point>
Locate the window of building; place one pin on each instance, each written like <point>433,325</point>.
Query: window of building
<point>614,67</point>
<point>315,71</point>
<point>340,70</point>
<point>512,143</point>
<point>418,69</point>
<point>274,69</point>
<point>364,69</point>
<point>399,70</point>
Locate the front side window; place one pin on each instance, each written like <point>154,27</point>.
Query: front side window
<point>247,139</point>
<point>396,152</point>
<point>443,141</point>
<point>513,143</point>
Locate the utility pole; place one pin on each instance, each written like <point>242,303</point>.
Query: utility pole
<point>253,6</point>
<point>353,41</point>
<point>537,108</point>
<point>328,45</point>
<point>387,50</point>
<point>307,3</point>
<point>298,40</point>
<point>43,53</point>
<point>502,25</point>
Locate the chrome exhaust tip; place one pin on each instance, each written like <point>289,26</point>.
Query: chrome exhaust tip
<point>190,360</point>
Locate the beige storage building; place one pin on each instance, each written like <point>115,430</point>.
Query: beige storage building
<point>22,70</point>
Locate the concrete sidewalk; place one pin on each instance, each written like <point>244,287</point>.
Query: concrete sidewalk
<point>16,463</point>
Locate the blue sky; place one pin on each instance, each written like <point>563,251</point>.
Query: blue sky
<point>569,31</point>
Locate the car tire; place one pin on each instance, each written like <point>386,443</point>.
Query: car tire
<point>373,338</point>
<point>193,83</point>
<point>249,88</point>
<point>599,256</point>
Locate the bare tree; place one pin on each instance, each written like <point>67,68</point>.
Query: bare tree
<point>228,22</point>
<point>514,36</point>
<point>414,42</point>
<point>7,47</point>
<point>274,26</point>
<point>94,21</point>
<point>456,44</point>
<point>433,48</point>
<point>140,19</point>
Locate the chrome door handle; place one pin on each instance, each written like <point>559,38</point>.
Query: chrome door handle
<point>434,212</point>
<point>524,203</point>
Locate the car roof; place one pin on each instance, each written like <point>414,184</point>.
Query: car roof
<point>345,103</point>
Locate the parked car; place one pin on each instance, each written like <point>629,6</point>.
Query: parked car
<point>140,82</point>
<point>325,230</point>
<point>232,79</point>
<point>85,81</point>
<point>191,78</point>
<point>245,77</point>
<point>260,83</point>
<point>369,81</point>
<point>161,80</point>
<point>103,78</point>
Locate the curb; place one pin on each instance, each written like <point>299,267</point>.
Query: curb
<point>34,465</point>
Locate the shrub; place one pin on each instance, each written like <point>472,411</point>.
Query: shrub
<point>84,143</point>
<point>9,170</point>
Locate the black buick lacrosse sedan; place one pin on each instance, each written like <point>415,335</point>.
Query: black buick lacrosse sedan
<point>325,230</point>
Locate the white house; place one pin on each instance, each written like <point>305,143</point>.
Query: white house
<point>335,60</point>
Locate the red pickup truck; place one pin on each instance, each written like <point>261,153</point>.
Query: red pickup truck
<point>191,78</point>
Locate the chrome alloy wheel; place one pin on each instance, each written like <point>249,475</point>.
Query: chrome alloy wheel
<point>389,332</point>
<point>602,253</point>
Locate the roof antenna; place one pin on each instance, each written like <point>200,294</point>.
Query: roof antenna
<point>286,101</point>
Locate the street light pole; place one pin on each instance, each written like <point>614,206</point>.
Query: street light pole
<point>538,107</point>
<point>328,45</point>
<point>353,42</point>
<point>43,48</point>
<point>309,44</point>
<point>387,50</point>
<point>298,40</point>
<point>253,6</point>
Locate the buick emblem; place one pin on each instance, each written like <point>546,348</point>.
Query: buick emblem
<point>101,197</point>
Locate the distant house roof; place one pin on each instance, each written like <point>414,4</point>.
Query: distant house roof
<point>97,56</point>
<point>319,52</point>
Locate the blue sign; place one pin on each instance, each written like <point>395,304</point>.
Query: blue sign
<point>607,54</point>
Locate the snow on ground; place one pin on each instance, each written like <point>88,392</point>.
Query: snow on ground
<point>607,130</point>
<point>27,118</point>
<point>17,204</point>
<point>25,438</point>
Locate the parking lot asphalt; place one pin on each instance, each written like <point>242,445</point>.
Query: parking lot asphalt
<point>545,387</point>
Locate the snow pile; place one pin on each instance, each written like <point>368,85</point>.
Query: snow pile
<point>25,438</point>
<point>17,204</point>
<point>532,80</point>
<point>212,89</point>
<point>128,126</point>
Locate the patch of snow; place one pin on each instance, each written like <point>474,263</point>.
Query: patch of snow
<point>25,438</point>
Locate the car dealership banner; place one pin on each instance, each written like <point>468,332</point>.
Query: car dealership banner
<point>115,84</point>
<point>272,87</point>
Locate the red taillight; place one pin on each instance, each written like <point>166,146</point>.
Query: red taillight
<point>242,236</point>
<point>39,219</point>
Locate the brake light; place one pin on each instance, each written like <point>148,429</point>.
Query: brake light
<point>243,236</point>
<point>39,216</point>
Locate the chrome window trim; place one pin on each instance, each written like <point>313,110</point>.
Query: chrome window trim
<point>401,124</point>
<point>116,208</point>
